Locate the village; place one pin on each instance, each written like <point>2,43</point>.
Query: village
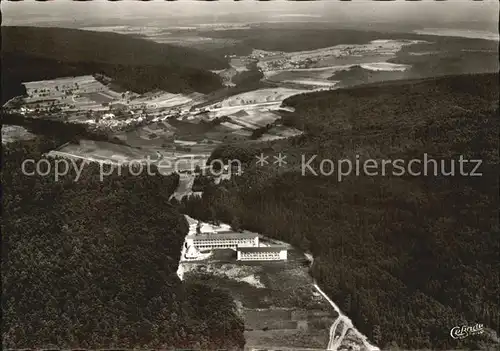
<point>93,100</point>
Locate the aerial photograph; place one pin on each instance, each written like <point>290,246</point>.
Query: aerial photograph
<point>250,175</point>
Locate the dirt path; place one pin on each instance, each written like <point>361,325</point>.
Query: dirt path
<point>334,343</point>
<point>347,324</point>
<point>185,186</point>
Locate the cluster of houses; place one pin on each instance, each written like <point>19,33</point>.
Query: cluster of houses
<point>246,244</point>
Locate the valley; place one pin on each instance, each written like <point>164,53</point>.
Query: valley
<point>240,92</point>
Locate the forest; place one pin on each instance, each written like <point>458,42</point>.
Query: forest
<point>31,54</point>
<point>92,264</point>
<point>59,131</point>
<point>407,258</point>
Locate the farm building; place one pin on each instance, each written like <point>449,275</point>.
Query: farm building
<point>262,253</point>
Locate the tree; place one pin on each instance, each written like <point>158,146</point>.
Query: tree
<point>235,224</point>
<point>377,334</point>
<point>213,216</point>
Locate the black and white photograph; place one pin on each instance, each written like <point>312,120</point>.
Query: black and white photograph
<point>280,175</point>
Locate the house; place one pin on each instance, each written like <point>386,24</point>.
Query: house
<point>262,253</point>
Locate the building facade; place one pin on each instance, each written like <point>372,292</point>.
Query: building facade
<point>262,253</point>
<point>224,240</point>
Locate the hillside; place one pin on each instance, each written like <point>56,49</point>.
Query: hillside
<point>407,257</point>
<point>30,54</point>
<point>77,272</point>
<point>73,45</point>
<point>280,37</point>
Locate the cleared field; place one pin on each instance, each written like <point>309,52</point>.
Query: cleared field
<point>385,66</point>
<point>152,135</point>
<point>231,126</point>
<point>305,73</point>
<point>11,133</point>
<point>258,96</point>
<point>83,102</point>
<point>251,109</point>
<point>321,77</point>
<point>99,97</point>
<point>305,78</point>
<point>83,93</point>
<point>167,161</point>
<point>352,60</point>
<point>161,100</point>
<point>59,87</point>
<point>279,132</point>
<point>239,64</point>
<point>276,299</point>
<point>103,151</point>
<point>87,82</point>
<point>256,117</point>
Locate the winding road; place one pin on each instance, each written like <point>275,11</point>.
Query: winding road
<point>185,186</point>
<point>335,342</point>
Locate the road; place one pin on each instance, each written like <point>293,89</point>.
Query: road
<point>335,343</point>
<point>185,186</point>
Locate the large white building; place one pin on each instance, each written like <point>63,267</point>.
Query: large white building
<point>222,240</point>
<point>262,253</point>
<point>204,237</point>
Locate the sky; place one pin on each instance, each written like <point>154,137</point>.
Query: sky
<point>458,14</point>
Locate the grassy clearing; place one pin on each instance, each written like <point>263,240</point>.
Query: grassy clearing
<point>14,133</point>
<point>276,299</point>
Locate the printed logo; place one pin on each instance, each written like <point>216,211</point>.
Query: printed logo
<point>461,332</point>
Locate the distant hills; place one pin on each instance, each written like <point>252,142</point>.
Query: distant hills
<point>31,53</point>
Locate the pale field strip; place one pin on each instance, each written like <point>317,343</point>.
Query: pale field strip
<point>243,124</point>
<point>112,153</point>
<point>62,82</point>
<point>163,100</point>
<point>239,64</point>
<point>266,95</point>
<point>466,33</point>
<point>231,125</point>
<point>385,66</point>
<point>280,66</point>
<point>312,82</point>
<point>261,117</point>
<point>242,132</point>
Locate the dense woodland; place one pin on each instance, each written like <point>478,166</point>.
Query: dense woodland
<point>406,257</point>
<point>135,64</point>
<point>60,131</point>
<point>92,264</point>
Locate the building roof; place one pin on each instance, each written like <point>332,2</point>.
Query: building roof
<point>228,235</point>
<point>274,248</point>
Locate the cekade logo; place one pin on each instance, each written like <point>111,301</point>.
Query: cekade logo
<point>461,332</point>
